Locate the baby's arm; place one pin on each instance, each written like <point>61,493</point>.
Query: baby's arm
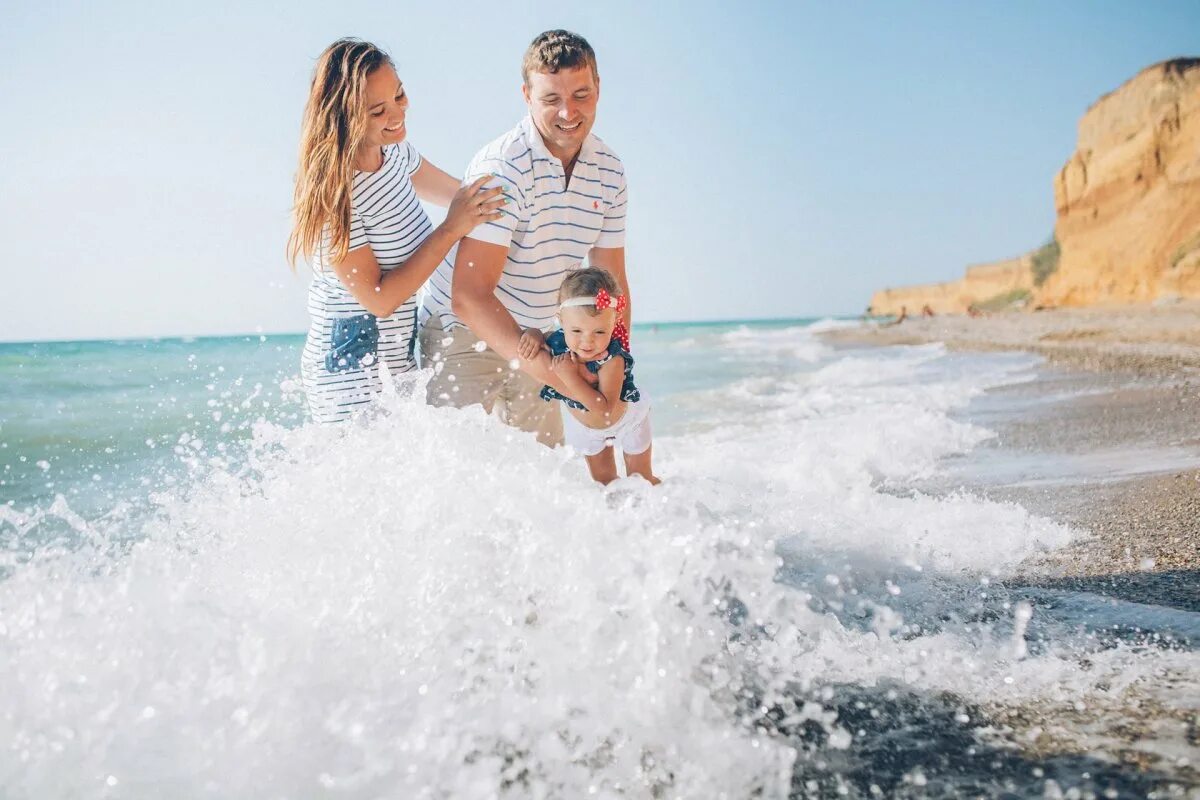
<point>570,371</point>
<point>530,344</point>
<point>603,401</point>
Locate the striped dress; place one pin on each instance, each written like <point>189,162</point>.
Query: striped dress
<point>386,216</point>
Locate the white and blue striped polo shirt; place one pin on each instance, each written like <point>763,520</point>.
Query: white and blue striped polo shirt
<point>548,225</point>
<point>385,214</point>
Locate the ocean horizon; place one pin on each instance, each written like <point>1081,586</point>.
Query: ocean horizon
<point>283,334</point>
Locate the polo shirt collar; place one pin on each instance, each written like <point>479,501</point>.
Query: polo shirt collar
<point>534,139</point>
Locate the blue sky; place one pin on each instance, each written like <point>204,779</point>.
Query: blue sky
<point>784,159</point>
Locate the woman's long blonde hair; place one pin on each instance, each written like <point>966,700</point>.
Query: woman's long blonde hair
<point>335,125</point>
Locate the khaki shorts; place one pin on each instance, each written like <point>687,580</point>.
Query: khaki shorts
<point>466,375</point>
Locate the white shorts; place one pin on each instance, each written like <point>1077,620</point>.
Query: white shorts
<point>631,432</point>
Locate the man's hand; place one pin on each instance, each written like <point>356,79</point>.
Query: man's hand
<point>530,344</point>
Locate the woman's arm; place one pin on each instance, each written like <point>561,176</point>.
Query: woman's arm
<point>382,294</point>
<point>433,185</point>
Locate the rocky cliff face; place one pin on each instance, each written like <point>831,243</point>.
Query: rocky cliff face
<point>1128,200</point>
<point>1128,204</point>
<point>981,283</point>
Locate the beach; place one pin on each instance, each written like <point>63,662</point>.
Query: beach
<point>1134,377</point>
<point>1161,340</point>
<point>1106,442</point>
<point>1134,374</point>
<point>873,568</point>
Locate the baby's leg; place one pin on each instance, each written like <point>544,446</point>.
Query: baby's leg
<point>639,464</point>
<point>603,466</point>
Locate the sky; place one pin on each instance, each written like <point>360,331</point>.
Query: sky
<point>784,159</point>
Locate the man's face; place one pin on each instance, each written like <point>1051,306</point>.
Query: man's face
<point>563,107</point>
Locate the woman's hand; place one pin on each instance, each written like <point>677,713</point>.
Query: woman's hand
<point>473,205</point>
<point>530,344</point>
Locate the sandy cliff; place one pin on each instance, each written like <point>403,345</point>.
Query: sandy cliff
<point>1128,204</point>
<point>1128,200</point>
<point>982,282</point>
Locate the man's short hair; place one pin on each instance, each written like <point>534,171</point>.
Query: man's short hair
<point>555,50</point>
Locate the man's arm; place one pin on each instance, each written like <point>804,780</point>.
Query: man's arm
<point>477,270</point>
<point>612,259</point>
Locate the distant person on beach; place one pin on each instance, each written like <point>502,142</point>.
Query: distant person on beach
<point>926,310</point>
<point>357,217</point>
<point>903,316</point>
<point>605,408</point>
<point>566,203</point>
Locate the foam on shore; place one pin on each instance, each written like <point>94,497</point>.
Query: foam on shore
<point>426,604</point>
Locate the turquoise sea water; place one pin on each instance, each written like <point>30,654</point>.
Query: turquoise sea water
<point>104,422</point>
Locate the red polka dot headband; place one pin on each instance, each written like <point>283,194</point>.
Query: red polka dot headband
<point>601,301</point>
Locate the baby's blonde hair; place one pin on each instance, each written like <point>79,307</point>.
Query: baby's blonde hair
<point>586,283</point>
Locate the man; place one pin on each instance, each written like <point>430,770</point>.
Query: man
<point>565,192</point>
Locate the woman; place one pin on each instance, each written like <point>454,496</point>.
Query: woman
<point>357,217</point>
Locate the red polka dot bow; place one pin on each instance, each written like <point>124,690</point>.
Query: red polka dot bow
<point>604,300</point>
<point>620,332</point>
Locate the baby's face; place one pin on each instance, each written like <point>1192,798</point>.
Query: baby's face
<point>587,331</point>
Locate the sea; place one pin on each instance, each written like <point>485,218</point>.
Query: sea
<point>202,596</point>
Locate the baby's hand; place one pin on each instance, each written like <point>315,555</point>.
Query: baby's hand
<point>530,344</point>
<point>562,363</point>
<point>590,378</point>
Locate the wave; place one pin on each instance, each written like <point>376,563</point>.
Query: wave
<point>425,603</point>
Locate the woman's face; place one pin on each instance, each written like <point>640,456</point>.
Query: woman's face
<point>387,104</point>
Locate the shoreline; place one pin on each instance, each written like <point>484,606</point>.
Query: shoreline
<point>1120,392</point>
<point>1105,441</point>
<point>1144,341</point>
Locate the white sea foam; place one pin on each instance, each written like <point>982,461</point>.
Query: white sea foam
<point>774,344</point>
<point>426,604</point>
<point>830,324</point>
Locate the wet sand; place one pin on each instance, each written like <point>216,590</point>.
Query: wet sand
<point>1107,441</point>
<point>1161,340</point>
<point>1139,525</point>
<point>1138,513</point>
<point>1131,379</point>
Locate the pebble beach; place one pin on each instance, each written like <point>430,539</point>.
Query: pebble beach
<point>1133,377</point>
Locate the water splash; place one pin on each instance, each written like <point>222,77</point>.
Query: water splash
<point>427,604</point>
